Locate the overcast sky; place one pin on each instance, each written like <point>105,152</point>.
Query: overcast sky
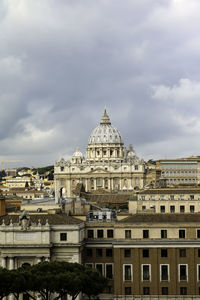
<point>63,61</point>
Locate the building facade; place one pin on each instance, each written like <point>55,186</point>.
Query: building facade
<point>39,237</point>
<point>149,256</point>
<point>144,256</point>
<point>108,165</point>
<point>185,171</point>
<point>166,200</point>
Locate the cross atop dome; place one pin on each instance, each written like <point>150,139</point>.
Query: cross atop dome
<point>105,118</point>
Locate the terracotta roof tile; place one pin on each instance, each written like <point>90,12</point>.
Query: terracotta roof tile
<point>53,219</point>
<point>162,218</point>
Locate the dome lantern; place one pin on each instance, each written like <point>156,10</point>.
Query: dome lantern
<point>105,118</point>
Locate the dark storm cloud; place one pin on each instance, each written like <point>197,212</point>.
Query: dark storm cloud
<point>62,62</point>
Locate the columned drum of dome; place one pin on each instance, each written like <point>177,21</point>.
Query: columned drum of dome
<point>108,165</point>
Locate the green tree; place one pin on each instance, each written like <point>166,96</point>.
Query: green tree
<point>5,283</point>
<point>47,278</point>
<point>18,282</point>
<point>94,283</point>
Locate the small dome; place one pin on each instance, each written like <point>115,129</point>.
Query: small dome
<point>131,152</point>
<point>105,133</point>
<point>77,153</point>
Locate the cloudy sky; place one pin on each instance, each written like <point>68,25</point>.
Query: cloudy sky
<point>63,61</point>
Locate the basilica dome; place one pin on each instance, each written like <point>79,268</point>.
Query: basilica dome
<point>105,133</point>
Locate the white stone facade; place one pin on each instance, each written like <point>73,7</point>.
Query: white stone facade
<point>43,238</point>
<point>108,165</point>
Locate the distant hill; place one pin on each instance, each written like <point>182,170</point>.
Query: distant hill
<point>47,171</point>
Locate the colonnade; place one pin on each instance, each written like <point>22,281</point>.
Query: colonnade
<point>91,183</point>
<point>10,262</point>
<point>104,152</point>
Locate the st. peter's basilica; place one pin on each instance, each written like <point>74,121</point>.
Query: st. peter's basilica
<point>108,165</point>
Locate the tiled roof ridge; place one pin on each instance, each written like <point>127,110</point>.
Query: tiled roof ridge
<point>53,219</point>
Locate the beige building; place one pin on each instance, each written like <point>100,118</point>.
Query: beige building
<point>38,237</point>
<point>166,200</point>
<point>180,171</point>
<point>18,182</point>
<point>108,165</point>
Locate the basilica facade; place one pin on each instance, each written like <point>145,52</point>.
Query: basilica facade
<point>108,165</point>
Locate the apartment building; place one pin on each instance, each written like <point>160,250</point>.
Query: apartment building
<point>184,171</point>
<point>147,256</point>
<point>166,200</point>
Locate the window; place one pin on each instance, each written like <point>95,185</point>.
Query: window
<point>128,234</point>
<point>198,252</point>
<point>145,252</point>
<point>143,207</point>
<point>181,197</point>
<point>152,197</point>
<point>162,209</point>
<point>127,290</point>
<point>146,273</point>
<point>136,167</point>
<point>163,252</point>
<point>143,198</point>
<point>106,181</point>
<point>110,233</point>
<point>100,233</point>
<point>198,272</point>
<point>164,272</point>
<point>171,197</point>
<point>182,272</point>
<point>89,252</point>
<point>163,234</point>
<point>181,233</point>
<point>127,252</point>
<point>192,208</point>
<point>172,209</point>
<point>63,236</point>
<point>99,252</point>
<point>182,209</point>
<point>182,252</point>
<point>109,252</point>
<point>127,272</point>
<point>198,233</point>
<point>183,290</point>
<point>145,234</point>
<point>99,268</point>
<point>164,290</point>
<point>90,233</point>
<point>61,169</point>
<point>191,197</point>
<point>146,290</point>
<point>162,197</point>
<point>109,271</point>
